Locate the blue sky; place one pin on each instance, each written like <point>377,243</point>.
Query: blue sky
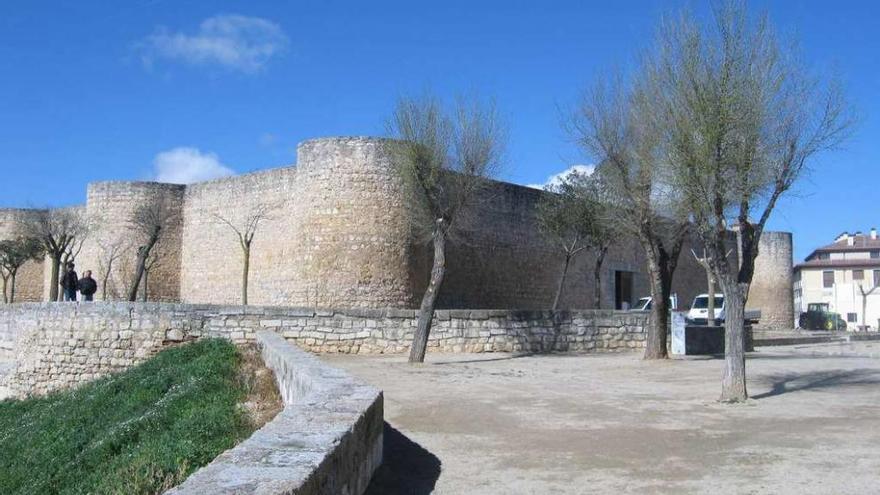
<point>106,90</point>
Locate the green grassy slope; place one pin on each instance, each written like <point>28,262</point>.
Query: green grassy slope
<point>139,431</point>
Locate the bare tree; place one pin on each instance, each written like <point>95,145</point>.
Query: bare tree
<point>13,255</point>
<point>155,260</point>
<point>57,230</point>
<point>573,214</point>
<point>616,125</point>
<point>111,252</point>
<point>710,283</point>
<point>745,120</point>
<point>245,232</point>
<point>865,293</point>
<point>149,223</point>
<point>443,162</point>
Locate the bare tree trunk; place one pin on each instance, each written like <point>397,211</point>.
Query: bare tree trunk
<point>865,305</point>
<point>733,380</point>
<point>104,285</point>
<point>146,281</point>
<point>138,275</point>
<point>710,308</point>
<point>561,281</point>
<point>106,279</point>
<point>64,262</point>
<point>5,299</point>
<point>429,300</point>
<point>597,277</point>
<point>246,252</point>
<point>11,287</point>
<point>141,266</point>
<point>53,277</point>
<point>655,345</point>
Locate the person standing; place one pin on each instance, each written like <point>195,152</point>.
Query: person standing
<point>87,286</point>
<point>69,283</point>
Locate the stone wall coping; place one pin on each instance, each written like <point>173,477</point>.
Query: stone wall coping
<point>138,183</point>
<point>326,440</point>
<point>344,139</point>
<point>310,312</point>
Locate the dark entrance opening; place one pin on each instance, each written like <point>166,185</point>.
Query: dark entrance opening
<point>623,290</point>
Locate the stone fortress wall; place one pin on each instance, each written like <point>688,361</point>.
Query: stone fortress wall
<point>109,208</point>
<point>61,345</point>
<point>327,438</point>
<point>29,284</point>
<point>337,235</point>
<point>772,287</point>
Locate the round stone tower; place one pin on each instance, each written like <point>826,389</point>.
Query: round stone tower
<point>771,290</point>
<point>352,244</point>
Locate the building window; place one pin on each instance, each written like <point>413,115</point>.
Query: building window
<point>875,254</point>
<point>851,317</point>
<point>876,277</point>
<point>828,279</point>
<point>858,274</point>
<point>824,256</point>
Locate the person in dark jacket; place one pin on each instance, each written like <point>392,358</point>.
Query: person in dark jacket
<point>69,283</point>
<point>87,286</point>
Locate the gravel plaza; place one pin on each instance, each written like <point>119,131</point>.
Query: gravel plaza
<point>613,423</point>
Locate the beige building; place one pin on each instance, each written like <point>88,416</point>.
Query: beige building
<point>843,275</point>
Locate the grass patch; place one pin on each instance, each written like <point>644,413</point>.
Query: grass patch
<point>140,431</point>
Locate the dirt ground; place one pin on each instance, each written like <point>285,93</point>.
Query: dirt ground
<point>504,424</point>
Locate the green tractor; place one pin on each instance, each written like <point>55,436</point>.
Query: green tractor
<point>818,317</point>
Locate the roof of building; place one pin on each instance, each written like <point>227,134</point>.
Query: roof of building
<point>860,242</point>
<point>854,263</point>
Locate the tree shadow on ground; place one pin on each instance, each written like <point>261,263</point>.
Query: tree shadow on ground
<point>407,468</point>
<point>794,382</point>
<point>484,360</point>
<point>795,356</point>
<point>543,354</point>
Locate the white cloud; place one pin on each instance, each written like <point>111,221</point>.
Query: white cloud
<point>235,42</point>
<point>186,165</point>
<point>556,179</point>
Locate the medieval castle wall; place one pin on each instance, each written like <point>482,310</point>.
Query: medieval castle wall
<point>335,232</point>
<point>337,235</point>
<point>29,281</point>
<point>60,345</point>
<point>112,240</point>
<point>771,290</point>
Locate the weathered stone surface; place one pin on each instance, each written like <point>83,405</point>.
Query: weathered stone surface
<point>327,440</point>
<point>59,345</point>
<point>339,236</point>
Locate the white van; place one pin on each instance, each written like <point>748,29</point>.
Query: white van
<point>699,313</point>
<point>645,303</point>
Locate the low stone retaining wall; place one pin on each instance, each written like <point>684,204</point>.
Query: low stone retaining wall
<point>56,345</point>
<point>327,440</point>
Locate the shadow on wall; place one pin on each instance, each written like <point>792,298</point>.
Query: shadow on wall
<point>406,468</point>
<point>795,382</point>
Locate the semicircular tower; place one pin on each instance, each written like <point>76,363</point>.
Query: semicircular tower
<point>771,290</point>
<point>353,241</point>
